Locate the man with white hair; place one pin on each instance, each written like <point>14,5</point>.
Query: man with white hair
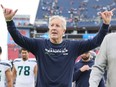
<point>55,56</point>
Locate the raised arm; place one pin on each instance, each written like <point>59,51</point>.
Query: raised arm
<point>25,42</point>
<point>8,13</point>
<point>86,45</point>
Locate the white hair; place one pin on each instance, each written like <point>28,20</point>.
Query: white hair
<point>58,17</point>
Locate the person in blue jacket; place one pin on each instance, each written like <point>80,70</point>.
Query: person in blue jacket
<point>82,70</point>
<point>55,56</point>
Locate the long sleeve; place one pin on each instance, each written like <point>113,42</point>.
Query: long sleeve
<point>76,74</point>
<point>21,40</point>
<point>100,64</point>
<point>83,46</point>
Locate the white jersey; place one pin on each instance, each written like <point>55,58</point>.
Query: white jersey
<point>25,72</point>
<point>4,66</point>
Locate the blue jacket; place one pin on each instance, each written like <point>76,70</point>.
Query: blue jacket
<point>82,78</point>
<point>55,61</point>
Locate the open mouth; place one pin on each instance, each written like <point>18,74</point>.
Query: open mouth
<point>54,33</point>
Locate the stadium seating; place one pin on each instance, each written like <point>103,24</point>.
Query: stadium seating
<point>77,12</point>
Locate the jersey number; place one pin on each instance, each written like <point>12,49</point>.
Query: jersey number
<point>26,70</point>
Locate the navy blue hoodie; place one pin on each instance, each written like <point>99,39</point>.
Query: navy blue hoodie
<point>82,78</point>
<point>55,61</point>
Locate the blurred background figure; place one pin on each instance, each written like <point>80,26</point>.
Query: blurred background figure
<point>82,71</point>
<point>24,70</point>
<point>105,62</point>
<point>5,73</point>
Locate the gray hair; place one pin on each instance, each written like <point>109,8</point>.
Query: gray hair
<point>58,17</point>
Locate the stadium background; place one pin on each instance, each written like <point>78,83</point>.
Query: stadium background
<point>82,17</point>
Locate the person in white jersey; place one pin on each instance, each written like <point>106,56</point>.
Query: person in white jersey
<point>24,70</point>
<point>5,73</point>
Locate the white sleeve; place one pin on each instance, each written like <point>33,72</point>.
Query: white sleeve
<point>98,68</point>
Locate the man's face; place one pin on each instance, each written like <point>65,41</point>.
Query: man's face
<point>24,54</point>
<point>56,30</point>
<point>85,56</point>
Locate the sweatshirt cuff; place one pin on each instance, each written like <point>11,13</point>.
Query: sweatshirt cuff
<point>9,22</point>
<point>105,26</point>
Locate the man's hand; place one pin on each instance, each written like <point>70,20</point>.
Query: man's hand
<point>84,68</point>
<point>8,13</point>
<point>107,16</point>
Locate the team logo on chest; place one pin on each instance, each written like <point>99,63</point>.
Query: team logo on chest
<point>52,51</point>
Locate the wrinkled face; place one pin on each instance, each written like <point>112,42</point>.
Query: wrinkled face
<point>85,56</point>
<point>56,30</point>
<point>24,54</point>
